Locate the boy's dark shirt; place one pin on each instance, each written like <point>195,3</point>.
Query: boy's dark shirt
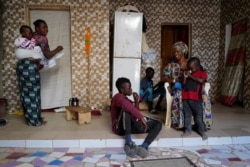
<point>192,89</point>
<point>121,103</point>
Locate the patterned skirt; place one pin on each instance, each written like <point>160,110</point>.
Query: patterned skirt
<point>177,110</point>
<point>28,76</point>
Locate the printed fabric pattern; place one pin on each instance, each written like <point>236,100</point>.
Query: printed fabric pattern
<point>29,84</point>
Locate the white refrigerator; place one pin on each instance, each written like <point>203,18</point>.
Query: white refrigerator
<point>127,49</point>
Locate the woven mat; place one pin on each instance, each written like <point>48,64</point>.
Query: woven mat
<point>171,162</point>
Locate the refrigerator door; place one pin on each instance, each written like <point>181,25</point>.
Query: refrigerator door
<point>128,35</point>
<point>129,68</point>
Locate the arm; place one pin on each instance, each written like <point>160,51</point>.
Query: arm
<point>126,105</point>
<point>50,54</point>
<point>143,84</point>
<point>136,99</point>
<point>169,73</point>
<point>42,41</point>
<point>168,79</point>
<point>159,84</point>
<point>200,77</point>
<point>142,120</point>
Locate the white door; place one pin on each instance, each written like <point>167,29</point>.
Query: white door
<point>56,81</point>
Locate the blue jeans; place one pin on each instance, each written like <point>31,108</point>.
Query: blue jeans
<point>131,126</point>
<point>149,94</point>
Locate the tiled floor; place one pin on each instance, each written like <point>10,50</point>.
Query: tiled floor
<point>202,156</point>
<point>65,143</point>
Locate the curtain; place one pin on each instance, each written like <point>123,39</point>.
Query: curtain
<point>235,63</point>
<point>56,81</point>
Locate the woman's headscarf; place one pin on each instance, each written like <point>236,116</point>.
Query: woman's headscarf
<point>181,46</point>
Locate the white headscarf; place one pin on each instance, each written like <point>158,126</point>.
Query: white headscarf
<point>181,46</point>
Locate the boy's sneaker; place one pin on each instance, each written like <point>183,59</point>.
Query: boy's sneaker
<point>142,152</point>
<point>204,137</point>
<point>153,111</point>
<point>130,149</point>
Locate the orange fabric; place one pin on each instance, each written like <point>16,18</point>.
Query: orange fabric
<point>88,42</point>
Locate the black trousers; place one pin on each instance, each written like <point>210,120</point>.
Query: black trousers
<point>128,125</point>
<point>193,108</point>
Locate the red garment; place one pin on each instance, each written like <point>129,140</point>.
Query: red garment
<point>192,89</point>
<point>120,102</point>
<point>42,41</point>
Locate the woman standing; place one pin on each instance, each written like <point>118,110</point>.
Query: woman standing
<point>29,77</point>
<point>174,74</point>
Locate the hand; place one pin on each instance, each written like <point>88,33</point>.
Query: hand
<point>160,83</point>
<point>136,97</point>
<point>59,48</point>
<point>187,73</point>
<point>144,124</point>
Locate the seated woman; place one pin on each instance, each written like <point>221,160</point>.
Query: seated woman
<point>174,76</point>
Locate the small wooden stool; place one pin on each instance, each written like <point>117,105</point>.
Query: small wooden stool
<point>82,114</point>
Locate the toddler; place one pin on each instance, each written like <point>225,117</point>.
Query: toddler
<point>26,48</point>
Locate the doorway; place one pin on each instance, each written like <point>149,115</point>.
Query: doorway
<point>171,33</point>
<point>55,82</point>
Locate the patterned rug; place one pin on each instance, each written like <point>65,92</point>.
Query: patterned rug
<point>173,162</point>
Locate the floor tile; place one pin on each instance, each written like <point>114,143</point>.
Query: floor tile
<point>47,159</point>
<point>26,159</point>
<point>16,155</point>
<point>66,158</point>
<point>24,165</point>
<point>56,154</point>
<point>39,162</point>
<point>90,160</point>
<point>118,156</point>
<point>38,154</point>
<point>56,162</point>
<point>73,162</point>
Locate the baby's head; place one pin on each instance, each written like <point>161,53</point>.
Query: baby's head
<point>26,31</point>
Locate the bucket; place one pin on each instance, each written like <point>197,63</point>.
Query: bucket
<point>3,108</point>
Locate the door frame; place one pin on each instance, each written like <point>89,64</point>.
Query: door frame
<point>56,72</point>
<point>167,41</point>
